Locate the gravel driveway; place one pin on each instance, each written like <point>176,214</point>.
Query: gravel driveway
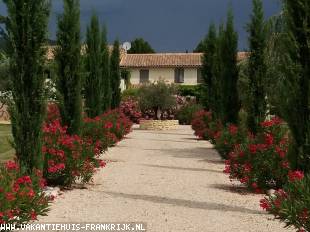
<point>168,180</point>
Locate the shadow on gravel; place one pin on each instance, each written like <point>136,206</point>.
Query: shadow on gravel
<point>241,190</point>
<point>208,155</point>
<point>169,140</point>
<point>183,169</point>
<point>185,203</point>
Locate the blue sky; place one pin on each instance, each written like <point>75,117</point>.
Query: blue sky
<point>169,25</point>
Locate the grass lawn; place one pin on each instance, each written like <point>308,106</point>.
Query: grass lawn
<point>6,150</point>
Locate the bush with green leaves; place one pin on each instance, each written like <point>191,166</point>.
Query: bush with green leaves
<point>292,203</point>
<point>22,197</point>
<point>261,161</point>
<point>157,97</point>
<point>186,113</point>
<point>228,137</point>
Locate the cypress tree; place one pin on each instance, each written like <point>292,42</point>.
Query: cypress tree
<point>208,68</point>
<point>67,57</point>
<point>257,68</point>
<point>93,84</point>
<point>218,74</point>
<point>106,82</point>
<point>115,76</point>
<point>297,107</point>
<point>26,26</point>
<point>229,79</point>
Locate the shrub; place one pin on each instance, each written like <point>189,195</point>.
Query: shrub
<point>53,112</point>
<point>292,203</point>
<point>157,98</point>
<point>205,127</point>
<point>22,197</point>
<point>186,113</point>
<point>261,161</point>
<point>68,157</point>
<point>228,137</point>
<point>130,108</point>
<point>189,90</point>
<point>131,93</point>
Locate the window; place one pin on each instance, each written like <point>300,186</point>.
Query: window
<point>144,76</point>
<point>179,75</point>
<point>199,76</point>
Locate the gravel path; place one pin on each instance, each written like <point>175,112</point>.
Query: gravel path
<point>169,180</point>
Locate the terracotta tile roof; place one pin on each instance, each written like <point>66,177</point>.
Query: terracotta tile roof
<point>167,60</point>
<point>161,60</point>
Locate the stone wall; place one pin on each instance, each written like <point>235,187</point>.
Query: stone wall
<point>159,124</point>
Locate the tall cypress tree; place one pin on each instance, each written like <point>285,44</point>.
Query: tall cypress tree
<point>257,67</point>
<point>26,26</point>
<point>208,68</point>
<point>93,83</point>
<point>297,107</point>
<point>229,79</point>
<point>115,75</point>
<point>67,57</point>
<point>106,79</point>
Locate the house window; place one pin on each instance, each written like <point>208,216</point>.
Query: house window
<point>199,76</point>
<point>179,75</point>
<point>144,76</point>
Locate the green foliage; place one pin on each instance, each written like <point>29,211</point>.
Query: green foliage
<point>67,57</point>
<point>93,83</point>
<point>157,97</point>
<point>106,77</point>
<point>5,80</point>
<point>208,71</point>
<point>115,76</point>
<point>201,47</point>
<point>132,93</point>
<point>189,90</point>
<point>228,138</point>
<point>140,46</point>
<point>26,26</point>
<point>228,45</point>
<point>186,113</point>
<point>292,203</point>
<point>22,197</point>
<point>288,55</point>
<point>257,67</point>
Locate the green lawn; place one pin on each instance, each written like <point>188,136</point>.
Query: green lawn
<point>6,150</point>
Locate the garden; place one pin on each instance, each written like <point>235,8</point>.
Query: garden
<point>67,112</point>
<point>257,112</point>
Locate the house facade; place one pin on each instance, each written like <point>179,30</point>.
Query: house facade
<point>179,68</point>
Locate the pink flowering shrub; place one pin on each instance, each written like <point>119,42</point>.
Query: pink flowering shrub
<point>227,138</point>
<point>53,112</point>
<point>130,108</point>
<point>261,161</point>
<point>22,198</point>
<point>292,203</point>
<point>205,127</point>
<point>68,157</point>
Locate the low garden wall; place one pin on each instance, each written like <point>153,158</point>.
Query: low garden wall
<point>159,124</point>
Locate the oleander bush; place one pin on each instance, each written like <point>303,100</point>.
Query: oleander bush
<point>205,126</point>
<point>186,113</point>
<point>68,158</point>
<point>261,161</point>
<point>292,203</point>
<point>130,107</point>
<point>21,196</point>
<point>72,158</point>
<point>227,138</point>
